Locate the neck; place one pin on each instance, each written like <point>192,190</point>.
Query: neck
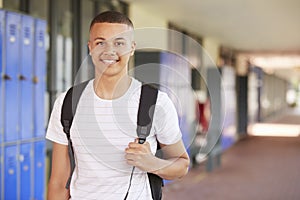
<point>111,88</point>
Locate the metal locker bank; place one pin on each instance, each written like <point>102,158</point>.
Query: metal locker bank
<point>23,85</point>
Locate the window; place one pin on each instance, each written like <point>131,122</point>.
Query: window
<point>11,5</point>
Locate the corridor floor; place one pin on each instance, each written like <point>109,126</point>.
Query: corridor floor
<point>255,168</point>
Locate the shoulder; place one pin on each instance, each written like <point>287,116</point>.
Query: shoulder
<point>59,100</point>
<point>163,99</point>
<point>166,105</point>
<point>166,120</point>
<point>61,96</point>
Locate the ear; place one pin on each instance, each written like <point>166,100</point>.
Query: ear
<point>133,45</point>
<point>89,46</point>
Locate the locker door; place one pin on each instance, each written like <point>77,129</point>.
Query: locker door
<point>2,22</point>
<point>2,18</point>
<point>40,80</point>
<point>10,174</point>
<point>1,175</point>
<point>26,71</point>
<point>25,169</point>
<point>39,169</point>
<point>11,76</point>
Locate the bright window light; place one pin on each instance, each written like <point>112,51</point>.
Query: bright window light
<point>274,130</point>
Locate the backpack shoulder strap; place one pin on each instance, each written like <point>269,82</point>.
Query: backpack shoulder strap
<point>145,112</point>
<point>70,105</point>
<point>68,110</point>
<point>144,122</point>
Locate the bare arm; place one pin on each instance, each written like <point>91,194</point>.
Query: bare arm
<point>60,172</point>
<point>176,161</point>
<point>174,164</point>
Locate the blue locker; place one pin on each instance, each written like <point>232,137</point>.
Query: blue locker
<point>2,22</point>
<point>10,174</point>
<point>39,169</point>
<point>26,74</point>
<point>12,58</point>
<point>40,77</point>
<point>1,167</point>
<point>25,171</point>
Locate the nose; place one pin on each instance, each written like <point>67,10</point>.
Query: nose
<point>109,53</point>
<point>109,49</point>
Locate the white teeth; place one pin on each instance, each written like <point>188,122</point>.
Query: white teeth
<point>109,61</point>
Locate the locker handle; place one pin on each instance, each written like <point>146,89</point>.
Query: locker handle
<point>6,77</point>
<point>22,78</point>
<point>35,80</point>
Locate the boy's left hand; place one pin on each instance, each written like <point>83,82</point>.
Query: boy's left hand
<point>140,155</point>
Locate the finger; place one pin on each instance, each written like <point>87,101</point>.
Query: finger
<point>129,157</point>
<point>147,143</point>
<point>146,147</point>
<point>131,150</point>
<point>132,158</point>
<point>134,145</point>
<point>132,163</point>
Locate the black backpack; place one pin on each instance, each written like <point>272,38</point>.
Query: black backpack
<point>144,122</point>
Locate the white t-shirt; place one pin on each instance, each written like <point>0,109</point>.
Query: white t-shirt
<point>100,132</point>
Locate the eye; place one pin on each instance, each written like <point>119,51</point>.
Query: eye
<point>119,44</point>
<point>100,43</point>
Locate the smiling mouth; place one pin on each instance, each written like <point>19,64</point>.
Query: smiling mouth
<point>109,61</point>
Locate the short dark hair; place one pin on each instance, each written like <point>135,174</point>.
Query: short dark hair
<point>111,17</point>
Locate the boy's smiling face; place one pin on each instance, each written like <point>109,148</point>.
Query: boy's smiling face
<point>111,45</point>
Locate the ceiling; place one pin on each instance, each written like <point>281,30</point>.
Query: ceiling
<point>272,25</point>
<point>255,26</point>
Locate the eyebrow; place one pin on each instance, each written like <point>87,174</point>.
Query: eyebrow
<point>101,38</point>
<point>120,38</point>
